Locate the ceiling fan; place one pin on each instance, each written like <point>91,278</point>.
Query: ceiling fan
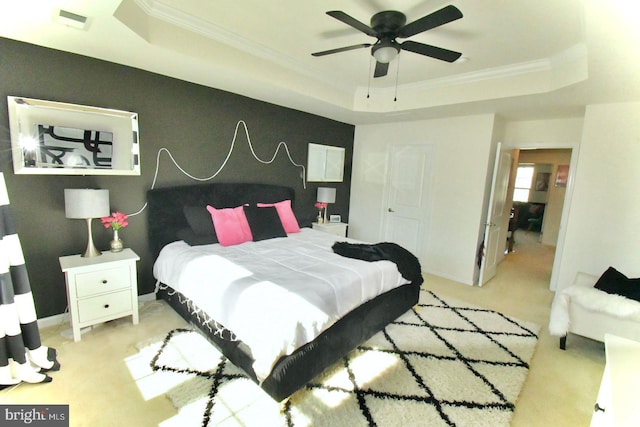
<point>387,26</point>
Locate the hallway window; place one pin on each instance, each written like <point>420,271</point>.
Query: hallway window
<point>524,178</point>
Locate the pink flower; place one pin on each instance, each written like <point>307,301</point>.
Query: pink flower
<point>117,220</point>
<point>320,205</point>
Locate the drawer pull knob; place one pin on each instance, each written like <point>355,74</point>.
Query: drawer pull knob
<point>104,281</point>
<point>106,306</point>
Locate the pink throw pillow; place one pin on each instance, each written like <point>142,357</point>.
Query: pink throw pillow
<point>231,225</point>
<point>287,217</point>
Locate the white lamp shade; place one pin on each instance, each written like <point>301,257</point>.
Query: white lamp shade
<point>385,54</point>
<point>86,203</point>
<point>326,195</point>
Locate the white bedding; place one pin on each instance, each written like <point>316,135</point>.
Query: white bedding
<point>278,294</point>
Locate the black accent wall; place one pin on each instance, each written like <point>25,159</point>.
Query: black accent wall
<point>194,122</point>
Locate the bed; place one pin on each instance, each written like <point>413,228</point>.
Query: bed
<point>173,237</point>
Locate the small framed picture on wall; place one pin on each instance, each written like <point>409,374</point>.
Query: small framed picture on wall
<point>562,175</point>
<point>542,181</point>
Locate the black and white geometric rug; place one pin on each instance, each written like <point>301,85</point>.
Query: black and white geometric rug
<point>442,363</point>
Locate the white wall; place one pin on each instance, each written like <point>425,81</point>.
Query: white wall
<point>461,156</point>
<point>543,133</point>
<point>604,219</point>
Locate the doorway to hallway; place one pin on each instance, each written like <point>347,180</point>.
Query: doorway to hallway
<point>540,242</point>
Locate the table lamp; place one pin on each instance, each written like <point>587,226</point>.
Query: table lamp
<point>326,195</point>
<point>86,204</point>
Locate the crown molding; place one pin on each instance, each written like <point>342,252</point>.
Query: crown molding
<point>159,10</point>
<point>574,53</point>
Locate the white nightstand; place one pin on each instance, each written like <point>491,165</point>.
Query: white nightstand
<point>101,288</point>
<point>338,228</point>
<point>617,403</point>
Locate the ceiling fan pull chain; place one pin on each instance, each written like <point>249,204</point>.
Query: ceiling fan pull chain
<point>369,77</point>
<point>395,96</point>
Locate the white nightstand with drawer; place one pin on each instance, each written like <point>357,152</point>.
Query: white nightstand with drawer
<point>617,403</point>
<point>100,288</point>
<point>338,228</point>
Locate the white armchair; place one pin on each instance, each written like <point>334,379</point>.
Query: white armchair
<point>584,310</point>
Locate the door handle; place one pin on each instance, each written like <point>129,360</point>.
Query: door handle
<point>390,210</point>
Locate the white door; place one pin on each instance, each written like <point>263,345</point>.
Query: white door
<point>406,211</point>
<point>496,216</point>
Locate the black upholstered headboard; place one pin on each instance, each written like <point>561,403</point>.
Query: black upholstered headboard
<point>165,214</point>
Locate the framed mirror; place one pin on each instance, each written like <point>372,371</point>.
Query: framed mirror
<point>57,138</point>
<point>325,163</point>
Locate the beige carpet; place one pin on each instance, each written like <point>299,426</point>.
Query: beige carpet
<point>444,363</point>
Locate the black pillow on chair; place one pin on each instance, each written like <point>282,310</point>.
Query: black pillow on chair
<point>264,222</point>
<point>614,282</point>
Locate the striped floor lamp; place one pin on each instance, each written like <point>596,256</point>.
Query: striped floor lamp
<point>22,355</point>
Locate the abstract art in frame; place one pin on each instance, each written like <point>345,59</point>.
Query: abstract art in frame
<point>56,138</point>
<point>59,146</point>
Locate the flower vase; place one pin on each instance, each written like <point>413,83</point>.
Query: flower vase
<point>319,219</point>
<point>116,244</point>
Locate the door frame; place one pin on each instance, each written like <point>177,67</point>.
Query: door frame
<point>575,151</point>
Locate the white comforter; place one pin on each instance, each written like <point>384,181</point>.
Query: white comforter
<point>275,295</point>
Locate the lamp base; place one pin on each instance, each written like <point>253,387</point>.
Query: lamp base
<point>91,250</point>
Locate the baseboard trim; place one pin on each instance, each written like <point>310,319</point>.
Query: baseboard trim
<point>59,319</point>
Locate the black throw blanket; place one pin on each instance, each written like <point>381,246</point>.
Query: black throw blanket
<point>408,264</point>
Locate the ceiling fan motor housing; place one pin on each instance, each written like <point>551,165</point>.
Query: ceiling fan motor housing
<point>388,22</point>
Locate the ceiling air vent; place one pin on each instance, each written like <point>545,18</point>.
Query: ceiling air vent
<point>71,19</point>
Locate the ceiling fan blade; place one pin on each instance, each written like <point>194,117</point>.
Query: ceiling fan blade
<point>435,19</point>
<point>432,51</point>
<point>341,49</point>
<point>343,17</point>
<point>381,69</point>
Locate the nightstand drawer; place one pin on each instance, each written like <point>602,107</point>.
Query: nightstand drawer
<point>98,282</point>
<point>337,228</point>
<point>108,305</point>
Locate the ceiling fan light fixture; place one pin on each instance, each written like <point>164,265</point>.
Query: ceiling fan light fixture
<point>385,53</point>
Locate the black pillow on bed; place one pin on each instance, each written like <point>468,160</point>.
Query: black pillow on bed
<point>199,219</point>
<point>614,282</point>
<point>264,222</point>
<point>194,239</point>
